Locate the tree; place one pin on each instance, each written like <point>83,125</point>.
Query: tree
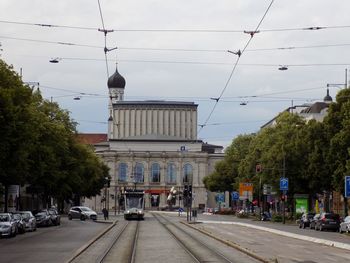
<point>17,128</point>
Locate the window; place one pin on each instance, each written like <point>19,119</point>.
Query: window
<point>188,173</point>
<point>123,171</point>
<point>139,173</point>
<point>155,173</point>
<point>171,173</point>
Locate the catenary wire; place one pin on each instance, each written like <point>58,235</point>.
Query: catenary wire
<point>234,68</point>
<point>310,28</point>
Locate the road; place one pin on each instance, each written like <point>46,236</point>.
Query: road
<point>155,243</point>
<point>49,244</point>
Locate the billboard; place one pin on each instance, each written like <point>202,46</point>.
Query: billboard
<point>301,205</point>
<point>246,191</point>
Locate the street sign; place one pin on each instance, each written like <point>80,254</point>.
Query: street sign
<point>220,198</point>
<point>284,184</point>
<point>347,186</point>
<point>235,196</point>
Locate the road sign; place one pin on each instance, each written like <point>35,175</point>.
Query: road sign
<point>284,184</point>
<point>220,198</point>
<point>235,196</point>
<point>347,186</point>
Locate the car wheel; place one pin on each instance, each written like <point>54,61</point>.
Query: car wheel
<point>70,217</point>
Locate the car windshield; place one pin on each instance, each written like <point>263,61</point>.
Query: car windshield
<point>25,215</point>
<point>134,202</point>
<point>4,218</point>
<point>332,216</point>
<point>17,216</point>
<point>85,209</point>
<point>41,214</point>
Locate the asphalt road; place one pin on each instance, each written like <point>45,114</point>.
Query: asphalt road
<point>49,244</point>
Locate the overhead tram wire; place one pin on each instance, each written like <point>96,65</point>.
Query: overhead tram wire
<point>239,53</point>
<point>176,49</point>
<point>310,28</point>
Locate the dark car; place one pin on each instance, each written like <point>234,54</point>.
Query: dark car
<point>29,220</point>
<point>305,220</point>
<point>328,221</point>
<point>55,217</point>
<point>8,226</point>
<point>82,213</point>
<point>345,225</point>
<point>43,218</point>
<point>21,226</point>
<point>314,220</point>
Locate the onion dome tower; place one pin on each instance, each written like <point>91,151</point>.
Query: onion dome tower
<point>328,98</point>
<point>116,86</point>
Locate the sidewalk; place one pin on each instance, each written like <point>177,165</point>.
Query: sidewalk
<point>289,230</point>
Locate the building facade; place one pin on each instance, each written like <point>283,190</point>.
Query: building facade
<point>152,145</point>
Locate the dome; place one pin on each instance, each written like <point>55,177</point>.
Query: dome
<point>327,98</point>
<point>116,80</point>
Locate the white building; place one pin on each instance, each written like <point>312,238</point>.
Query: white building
<point>152,145</point>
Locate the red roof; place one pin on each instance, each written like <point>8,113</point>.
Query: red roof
<point>92,138</point>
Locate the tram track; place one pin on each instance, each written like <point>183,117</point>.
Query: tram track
<point>120,240</point>
<point>197,249</point>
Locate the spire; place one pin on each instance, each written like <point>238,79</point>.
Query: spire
<point>328,98</point>
<point>116,80</point>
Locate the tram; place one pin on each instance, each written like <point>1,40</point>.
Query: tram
<point>134,204</point>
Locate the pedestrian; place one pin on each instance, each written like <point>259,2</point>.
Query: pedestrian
<point>105,213</point>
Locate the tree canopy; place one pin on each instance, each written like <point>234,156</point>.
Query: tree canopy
<point>39,146</point>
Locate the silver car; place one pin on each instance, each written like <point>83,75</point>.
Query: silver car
<point>82,213</point>
<point>8,226</point>
<point>29,220</point>
<point>345,225</point>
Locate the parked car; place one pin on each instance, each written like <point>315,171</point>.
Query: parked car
<point>328,221</point>
<point>8,226</point>
<point>55,217</point>
<point>82,213</point>
<point>314,220</point>
<point>43,218</point>
<point>305,219</point>
<point>29,220</point>
<point>21,226</point>
<point>345,225</point>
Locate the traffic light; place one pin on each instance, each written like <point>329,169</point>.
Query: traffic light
<point>258,168</point>
<point>185,193</point>
<point>190,191</point>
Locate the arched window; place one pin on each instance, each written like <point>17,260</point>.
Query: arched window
<point>139,173</point>
<point>155,173</point>
<point>188,173</point>
<point>123,172</point>
<point>171,173</point>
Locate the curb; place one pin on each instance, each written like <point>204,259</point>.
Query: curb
<point>231,244</point>
<point>287,234</point>
<point>89,243</point>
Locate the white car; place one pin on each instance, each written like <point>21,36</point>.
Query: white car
<point>29,220</point>
<point>8,226</point>
<point>82,213</point>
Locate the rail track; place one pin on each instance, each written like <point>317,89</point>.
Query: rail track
<point>118,244</point>
<point>198,250</point>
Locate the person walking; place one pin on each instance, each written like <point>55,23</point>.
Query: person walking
<point>105,213</point>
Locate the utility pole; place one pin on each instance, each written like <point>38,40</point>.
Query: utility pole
<point>284,192</point>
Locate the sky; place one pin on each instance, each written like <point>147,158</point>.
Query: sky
<point>179,50</point>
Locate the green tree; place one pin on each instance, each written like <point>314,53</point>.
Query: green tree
<point>17,128</point>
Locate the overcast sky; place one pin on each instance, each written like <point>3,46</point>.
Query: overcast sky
<point>201,32</point>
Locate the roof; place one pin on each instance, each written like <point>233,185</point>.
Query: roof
<point>116,80</point>
<point>92,138</point>
<point>317,107</point>
<point>156,103</point>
